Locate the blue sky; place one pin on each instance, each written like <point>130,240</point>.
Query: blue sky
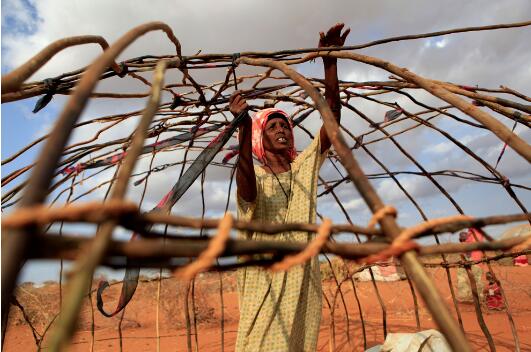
<point>485,58</point>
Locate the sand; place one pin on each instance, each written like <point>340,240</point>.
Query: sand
<point>139,327</point>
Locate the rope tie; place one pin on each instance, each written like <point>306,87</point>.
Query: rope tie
<point>158,129</point>
<point>216,246</point>
<point>177,100</point>
<point>403,242</point>
<point>359,142</point>
<point>124,70</point>
<point>51,85</point>
<point>311,250</point>
<point>380,214</point>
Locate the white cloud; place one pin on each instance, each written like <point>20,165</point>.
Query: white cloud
<point>354,204</point>
<point>441,43</point>
<point>436,42</point>
<point>487,58</point>
<point>440,148</point>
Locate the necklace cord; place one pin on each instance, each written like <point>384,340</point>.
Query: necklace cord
<point>280,184</point>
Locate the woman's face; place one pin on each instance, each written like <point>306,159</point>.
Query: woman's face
<point>277,135</point>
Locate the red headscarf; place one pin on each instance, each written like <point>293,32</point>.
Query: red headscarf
<point>259,123</point>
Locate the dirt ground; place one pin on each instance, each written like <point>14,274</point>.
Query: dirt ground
<point>139,326</point>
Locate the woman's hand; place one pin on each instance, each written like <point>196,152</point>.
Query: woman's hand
<point>237,103</point>
<point>245,176</point>
<point>333,37</point>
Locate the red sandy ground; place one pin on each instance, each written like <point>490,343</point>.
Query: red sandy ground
<point>139,325</point>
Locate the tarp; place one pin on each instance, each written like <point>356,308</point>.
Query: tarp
<point>130,281</point>
<point>518,231</point>
<point>387,272</point>
<point>429,340</point>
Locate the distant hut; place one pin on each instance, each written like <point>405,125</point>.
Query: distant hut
<point>518,231</point>
<point>385,270</point>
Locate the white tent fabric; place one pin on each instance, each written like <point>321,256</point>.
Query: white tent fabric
<point>430,340</point>
<point>388,271</point>
<point>518,231</point>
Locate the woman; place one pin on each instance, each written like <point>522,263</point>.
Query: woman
<point>281,311</point>
<point>492,292</point>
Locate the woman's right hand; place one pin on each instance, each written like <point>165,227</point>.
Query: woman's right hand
<point>237,103</point>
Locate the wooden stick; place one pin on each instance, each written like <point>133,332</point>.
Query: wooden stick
<point>12,81</point>
<point>216,246</point>
<point>85,265</point>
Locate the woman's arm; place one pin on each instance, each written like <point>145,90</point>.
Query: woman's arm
<point>245,177</point>
<point>332,38</point>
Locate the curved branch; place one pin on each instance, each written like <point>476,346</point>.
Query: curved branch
<point>12,81</point>
<point>15,246</point>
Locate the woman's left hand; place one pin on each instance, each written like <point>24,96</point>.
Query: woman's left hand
<point>333,37</point>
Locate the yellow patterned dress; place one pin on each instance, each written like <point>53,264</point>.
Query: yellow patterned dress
<point>282,311</point>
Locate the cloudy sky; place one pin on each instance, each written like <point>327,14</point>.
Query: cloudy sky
<point>487,59</point>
